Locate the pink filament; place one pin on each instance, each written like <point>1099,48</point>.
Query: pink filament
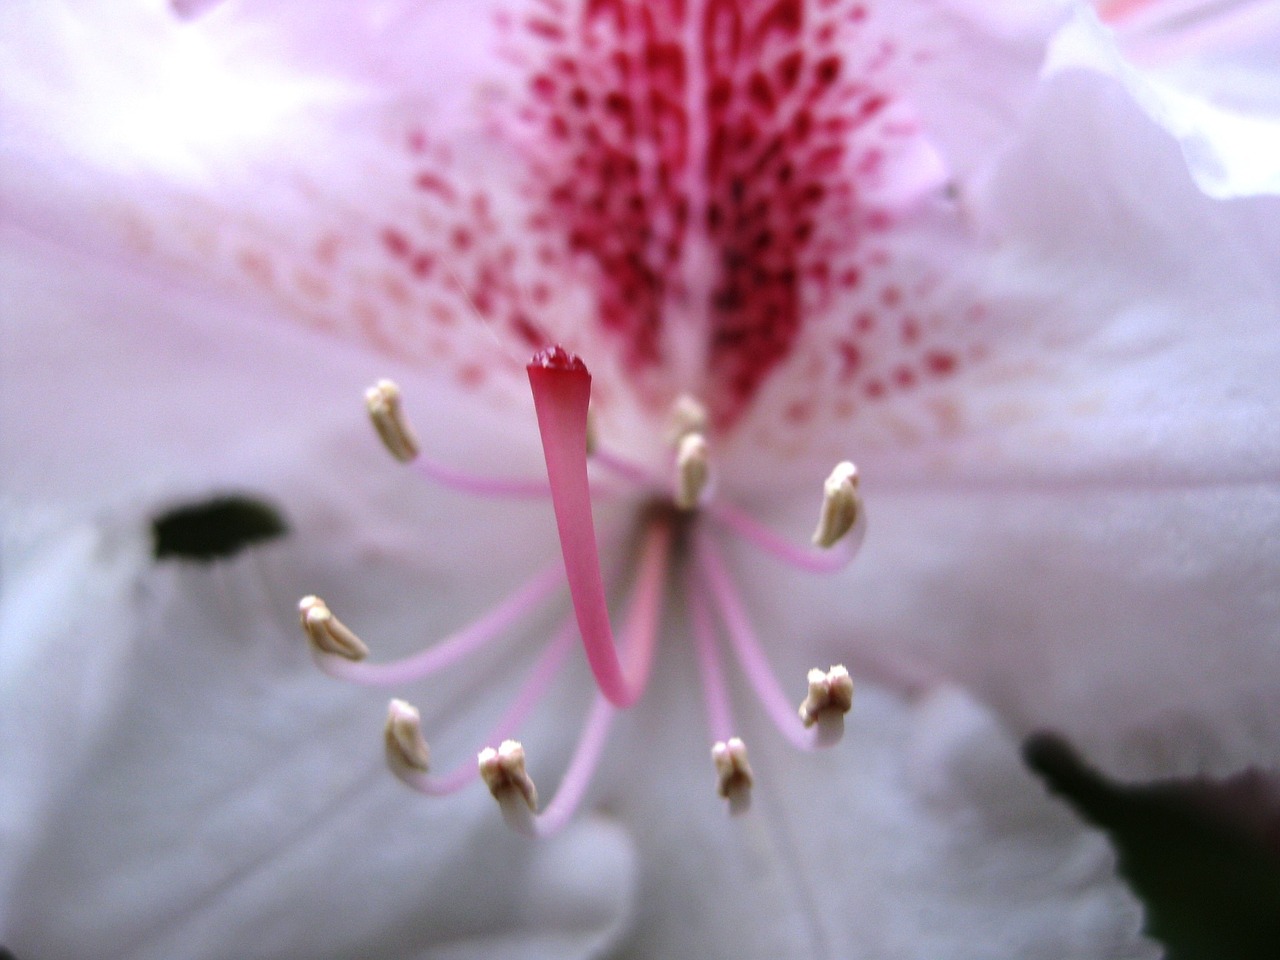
<point>715,693</point>
<point>621,467</point>
<point>544,671</point>
<point>808,559</point>
<point>481,486</point>
<point>561,393</point>
<point>750,655</point>
<point>454,648</point>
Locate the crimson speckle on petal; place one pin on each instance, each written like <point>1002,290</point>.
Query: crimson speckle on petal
<point>718,199</point>
<point>719,185</point>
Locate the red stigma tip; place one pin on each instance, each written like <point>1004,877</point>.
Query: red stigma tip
<point>557,358</point>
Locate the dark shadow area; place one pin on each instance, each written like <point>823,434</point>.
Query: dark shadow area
<point>215,529</point>
<point>1204,856</point>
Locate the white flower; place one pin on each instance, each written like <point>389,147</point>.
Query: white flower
<point>1004,295</point>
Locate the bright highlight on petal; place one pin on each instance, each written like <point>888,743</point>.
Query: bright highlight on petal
<point>210,111</point>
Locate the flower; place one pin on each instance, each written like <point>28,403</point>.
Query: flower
<point>1071,468</point>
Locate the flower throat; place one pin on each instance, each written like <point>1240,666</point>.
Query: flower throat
<point>680,525</point>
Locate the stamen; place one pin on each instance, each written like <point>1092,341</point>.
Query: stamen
<point>561,394</point>
<point>387,413</point>
<point>734,777</point>
<point>693,471</point>
<point>687,416</point>
<point>386,409</point>
<point>535,687</point>
<point>841,506</point>
<point>407,749</point>
<point>504,772</point>
<point>736,780</point>
<point>753,661</point>
<point>450,650</point>
<point>329,636</point>
<point>830,697</point>
<point>747,527</point>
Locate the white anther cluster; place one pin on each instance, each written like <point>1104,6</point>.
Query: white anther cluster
<point>734,773</point>
<point>327,633</point>
<point>504,774</point>
<point>830,695</point>
<point>687,416</point>
<point>407,749</point>
<point>693,470</point>
<point>387,413</point>
<point>841,505</point>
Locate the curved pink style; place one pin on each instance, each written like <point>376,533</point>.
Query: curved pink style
<point>561,393</point>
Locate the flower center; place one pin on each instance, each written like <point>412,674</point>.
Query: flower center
<point>561,386</point>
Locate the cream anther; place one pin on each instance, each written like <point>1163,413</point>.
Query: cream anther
<point>407,749</point>
<point>734,773</point>
<point>830,696</point>
<point>840,505</point>
<point>327,633</point>
<point>503,773</point>
<point>693,470</point>
<point>387,413</point>
<point>687,416</point>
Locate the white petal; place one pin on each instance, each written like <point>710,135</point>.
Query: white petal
<point>61,665</point>
<point>981,64</point>
<point>919,836</point>
<point>1126,337</point>
<point>237,800</point>
<point>1086,316</point>
<point>1222,103</point>
<point>119,386</point>
<point>1139,625</point>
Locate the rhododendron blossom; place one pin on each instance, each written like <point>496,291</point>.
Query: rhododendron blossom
<point>742,377</point>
